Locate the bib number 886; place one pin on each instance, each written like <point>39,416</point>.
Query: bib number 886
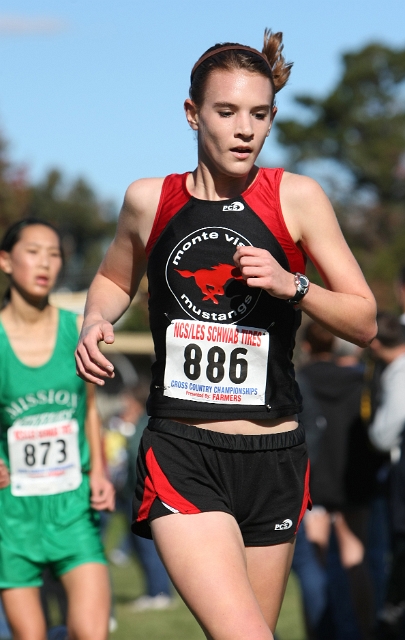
<point>216,361</point>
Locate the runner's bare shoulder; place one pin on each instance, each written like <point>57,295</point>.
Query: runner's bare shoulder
<point>140,205</point>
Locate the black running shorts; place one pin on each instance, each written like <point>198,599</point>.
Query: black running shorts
<point>261,480</point>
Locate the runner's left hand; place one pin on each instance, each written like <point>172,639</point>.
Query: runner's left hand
<point>4,475</point>
<point>102,493</point>
<point>260,269</point>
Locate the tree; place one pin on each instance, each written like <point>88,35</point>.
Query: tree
<point>13,189</point>
<point>86,224</point>
<point>357,132</point>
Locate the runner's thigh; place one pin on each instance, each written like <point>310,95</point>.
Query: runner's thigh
<point>24,613</point>
<point>205,557</point>
<point>88,591</point>
<point>268,571</point>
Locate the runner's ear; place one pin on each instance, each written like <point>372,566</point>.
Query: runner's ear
<point>5,262</point>
<point>191,114</point>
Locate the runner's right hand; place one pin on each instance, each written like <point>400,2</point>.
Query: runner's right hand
<point>91,365</point>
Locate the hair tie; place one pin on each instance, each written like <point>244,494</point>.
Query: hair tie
<point>228,47</point>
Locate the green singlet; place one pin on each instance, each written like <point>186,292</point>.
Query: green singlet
<point>46,518</point>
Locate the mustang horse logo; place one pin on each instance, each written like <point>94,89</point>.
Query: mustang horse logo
<point>212,281</point>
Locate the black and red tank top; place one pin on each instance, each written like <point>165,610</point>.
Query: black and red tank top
<point>223,349</point>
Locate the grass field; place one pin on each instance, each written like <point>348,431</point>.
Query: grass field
<point>177,623</point>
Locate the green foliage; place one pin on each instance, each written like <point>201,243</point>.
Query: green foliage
<point>358,131</point>
<point>360,124</point>
<point>136,318</point>
<point>13,189</point>
<point>86,224</point>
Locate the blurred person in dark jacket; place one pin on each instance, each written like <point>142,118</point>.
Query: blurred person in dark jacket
<point>386,434</point>
<point>342,474</point>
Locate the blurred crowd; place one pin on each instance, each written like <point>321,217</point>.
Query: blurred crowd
<point>350,551</point>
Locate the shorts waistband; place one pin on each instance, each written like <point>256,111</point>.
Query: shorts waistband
<point>235,442</point>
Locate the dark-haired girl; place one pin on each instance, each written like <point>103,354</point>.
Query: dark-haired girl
<point>222,469</point>
<point>51,470</point>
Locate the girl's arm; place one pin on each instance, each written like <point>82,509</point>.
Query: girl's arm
<point>4,475</point>
<point>102,490</point>
<point>117,279</point>
<point>346,305</point>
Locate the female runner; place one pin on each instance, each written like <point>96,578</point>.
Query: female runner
<point>52,472</point>
<point>222,470</point>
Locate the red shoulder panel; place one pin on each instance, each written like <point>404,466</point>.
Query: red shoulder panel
<point>173,197</point>
<point>263,196</point>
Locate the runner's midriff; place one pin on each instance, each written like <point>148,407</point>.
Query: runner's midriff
<point>246,427</point>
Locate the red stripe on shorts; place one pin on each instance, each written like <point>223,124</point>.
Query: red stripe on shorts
<point>158,486</point>
<point>306,500</point>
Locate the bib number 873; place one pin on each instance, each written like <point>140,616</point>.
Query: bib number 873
<point>31,453</point>
<point>216,361</point>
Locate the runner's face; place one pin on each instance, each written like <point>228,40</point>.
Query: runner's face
<point>35,261</point>
<point>234,120</point>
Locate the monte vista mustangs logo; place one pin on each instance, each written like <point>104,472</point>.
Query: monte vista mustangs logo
<point>202,275</point>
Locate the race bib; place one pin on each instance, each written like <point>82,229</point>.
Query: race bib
<point>211,362</point>
<point>44,460</point>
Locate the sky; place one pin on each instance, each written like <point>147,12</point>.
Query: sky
<point>96,88</point>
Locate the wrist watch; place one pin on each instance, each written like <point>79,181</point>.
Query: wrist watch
<point>302,284</point>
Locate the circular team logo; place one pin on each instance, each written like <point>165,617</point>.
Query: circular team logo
<point>202,276</point>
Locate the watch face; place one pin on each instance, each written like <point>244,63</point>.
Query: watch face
<point>303,281</point>
<point>302,284</point>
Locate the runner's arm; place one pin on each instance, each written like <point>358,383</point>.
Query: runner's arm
<point>4,475</point>
<point>346,306</point>
<point>117,279</point>
<point>102,490</point>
